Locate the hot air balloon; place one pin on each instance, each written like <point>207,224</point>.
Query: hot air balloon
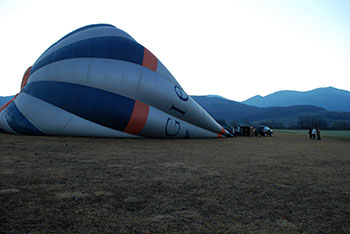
<point>98,81</point>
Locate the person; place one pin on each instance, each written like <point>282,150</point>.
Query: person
<point>313,132</point>
<point>309,133</point>
<point>318,134</point>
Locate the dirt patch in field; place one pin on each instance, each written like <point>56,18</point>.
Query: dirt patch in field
<point>281,184</point>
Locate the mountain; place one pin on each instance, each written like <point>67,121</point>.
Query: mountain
<point>329,98</point>
<point>230,110</point>
<point>291,116</point>
<point>217,96</point>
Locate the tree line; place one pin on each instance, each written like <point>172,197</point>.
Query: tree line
<point>302,122</point>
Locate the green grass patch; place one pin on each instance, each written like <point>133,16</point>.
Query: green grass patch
<point>296,131</point>
<point>341,134</point>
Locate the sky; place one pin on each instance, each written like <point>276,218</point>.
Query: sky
<point>233,48</point>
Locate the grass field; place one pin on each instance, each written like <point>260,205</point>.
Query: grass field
<point>281,184</point>
<point>328,133</point>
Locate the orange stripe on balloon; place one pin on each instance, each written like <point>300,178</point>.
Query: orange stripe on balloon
<point>149,60</point>
<point>25,77</point>
<point>138,118</point>
<point>222,132</point>
<point>8,103</point>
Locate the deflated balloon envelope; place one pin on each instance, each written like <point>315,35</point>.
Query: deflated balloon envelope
<point>98,81</point>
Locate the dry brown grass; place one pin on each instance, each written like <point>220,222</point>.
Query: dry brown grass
<point>281,184</point>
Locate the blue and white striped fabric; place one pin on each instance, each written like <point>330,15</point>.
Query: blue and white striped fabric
<point>98,81</point>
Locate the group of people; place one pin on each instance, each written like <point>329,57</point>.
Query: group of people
<point>315,132</point>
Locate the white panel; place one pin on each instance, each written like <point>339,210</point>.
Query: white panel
<point>158,123</point>
<point>163,71</point>
<point>81,127</point>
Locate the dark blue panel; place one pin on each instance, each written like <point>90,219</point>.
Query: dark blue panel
<point>19,123</point>
<point>102,107</point>
<point>102,47</point>
<point>79,30</point>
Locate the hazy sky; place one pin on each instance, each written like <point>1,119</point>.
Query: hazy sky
<point>237,48</point>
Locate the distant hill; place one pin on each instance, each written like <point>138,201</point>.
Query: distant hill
<point>236,112</point>
<point>330,98</point>
<point>217,96</point>
<point>231,110</point>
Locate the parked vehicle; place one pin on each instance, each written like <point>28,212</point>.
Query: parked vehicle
<point>263,131</point>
